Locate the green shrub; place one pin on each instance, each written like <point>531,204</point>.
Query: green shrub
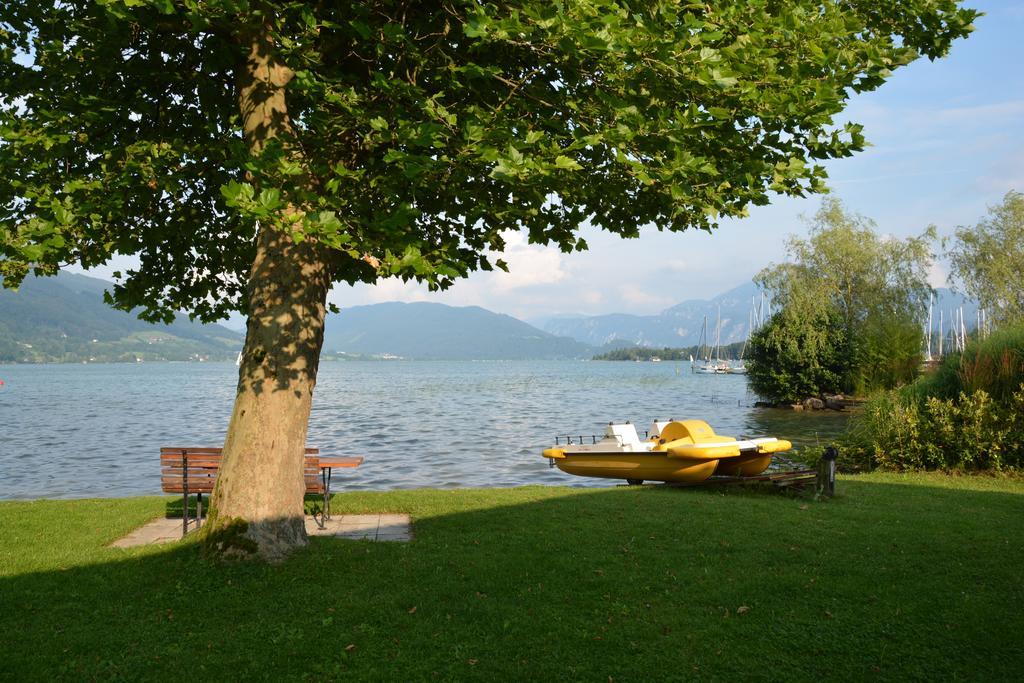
<point>967,415</point>
<point>792,357</point>
<point>898,431</point>
<point>801,353</point>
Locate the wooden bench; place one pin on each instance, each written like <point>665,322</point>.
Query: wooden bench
<point>193,471</point>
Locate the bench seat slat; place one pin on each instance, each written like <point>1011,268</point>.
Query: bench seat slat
<point>196,468</point>
<point>341,462</point>
<point>211,450</point>
<point>176,487</point>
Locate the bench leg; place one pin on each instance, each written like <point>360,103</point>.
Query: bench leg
<point>321,516</point>
<point>327,494</point>
<point>199,510</point>
<point>184,513</point>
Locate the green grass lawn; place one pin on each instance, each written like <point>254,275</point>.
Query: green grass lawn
<point>900,576</point>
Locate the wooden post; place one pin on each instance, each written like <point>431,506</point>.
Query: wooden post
<point>827,471</point>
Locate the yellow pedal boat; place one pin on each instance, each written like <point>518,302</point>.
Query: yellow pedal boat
<point>679,451</point>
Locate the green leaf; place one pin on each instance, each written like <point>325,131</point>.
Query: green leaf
<point>231,190</point>
<point>564,162</point>
<point>270,198</point>
<point>723,81</point>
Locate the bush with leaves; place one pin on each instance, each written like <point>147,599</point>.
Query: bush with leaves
<point>969,433</point>
<point>968,415</point>
<point>885,355</point>
<point>794,356</point>
<point>994,364</point>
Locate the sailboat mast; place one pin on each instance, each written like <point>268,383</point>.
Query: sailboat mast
<point>750,330</point>
<point>703,352</point>
<point>963,332</point>
<point>940,332</point>
<point>718,335</point>
<point>928,337</point>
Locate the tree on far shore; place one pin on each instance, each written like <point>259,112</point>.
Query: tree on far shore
<point>250,154</point>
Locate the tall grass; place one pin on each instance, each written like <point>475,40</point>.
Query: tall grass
<point>994,365</point>
<point>967,415</point>
<point>886,356</point>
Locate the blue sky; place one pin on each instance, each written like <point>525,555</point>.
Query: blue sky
<point>947,141</point>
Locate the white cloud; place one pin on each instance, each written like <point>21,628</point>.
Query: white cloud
<point>978,115</point>
<point>938,275</point>
<point>392,289</point>
<point>528,265</point>
<point>637,296</point>
<point>678,265</point>
<point>1005,173</point>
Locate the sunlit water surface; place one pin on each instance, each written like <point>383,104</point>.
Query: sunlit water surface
<point>72,431</point>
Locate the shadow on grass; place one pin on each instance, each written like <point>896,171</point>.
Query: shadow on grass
<point>633,584</point>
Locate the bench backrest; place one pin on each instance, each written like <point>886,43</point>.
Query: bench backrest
<point>195,469</point>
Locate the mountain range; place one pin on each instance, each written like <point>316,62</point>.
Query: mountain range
<point>681,324</point>
<point>431,331</point>
<point>677,326</point>
<point>64,319</point>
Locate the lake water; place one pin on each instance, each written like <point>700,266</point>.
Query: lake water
<point>73,431</point>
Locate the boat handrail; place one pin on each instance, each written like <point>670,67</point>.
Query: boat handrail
<point>580,438</point>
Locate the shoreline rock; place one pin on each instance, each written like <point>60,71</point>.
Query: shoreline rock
<point>836,402</point>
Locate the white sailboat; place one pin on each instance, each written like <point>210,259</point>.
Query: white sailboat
<point>708,365</point>
<point>702,366</point>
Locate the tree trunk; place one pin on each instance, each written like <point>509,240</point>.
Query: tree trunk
<point>257,504</point>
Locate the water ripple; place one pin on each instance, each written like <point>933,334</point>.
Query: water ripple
<point>69,431</point>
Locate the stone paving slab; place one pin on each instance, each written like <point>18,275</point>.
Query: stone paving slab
<point>158,531</point>
<point>378,527</point>
<point>382,527</point>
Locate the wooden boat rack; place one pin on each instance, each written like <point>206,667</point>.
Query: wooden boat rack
<point>781,479</point>
<point>822,478</point>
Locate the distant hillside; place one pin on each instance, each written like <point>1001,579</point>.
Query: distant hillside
<point>674,327</point>
<point>680,325</point>
<point>439,332</point>
<point>64,319</point>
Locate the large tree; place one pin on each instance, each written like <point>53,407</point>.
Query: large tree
<point>249,154</point>
<point>850,306</point>
<point>988,260</point>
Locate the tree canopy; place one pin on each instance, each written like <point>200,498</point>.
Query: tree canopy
<point>419,132</point>
<point>988,260</point>
<point>850,305</point>
<point>844,263</point>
